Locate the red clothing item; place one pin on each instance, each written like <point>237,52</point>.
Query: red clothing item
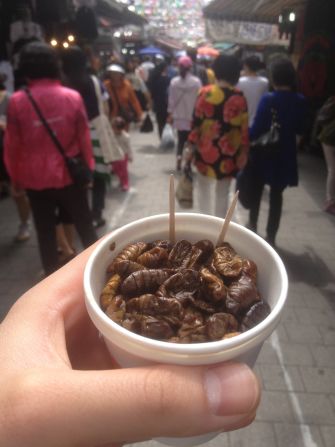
<point>32,159</point>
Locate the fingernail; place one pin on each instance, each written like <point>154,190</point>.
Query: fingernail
<point>231,389</point>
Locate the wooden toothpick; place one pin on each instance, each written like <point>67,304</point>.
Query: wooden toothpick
<point>172,217</point>
<point>227,220</point>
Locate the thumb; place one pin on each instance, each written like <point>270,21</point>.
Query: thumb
<point>128,405</point>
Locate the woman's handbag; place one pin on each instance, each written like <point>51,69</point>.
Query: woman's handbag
<point>147,125</point>
<point>78,169</point>
<point>268,144</point>
<point>184,190</point>
<point>110,148</point>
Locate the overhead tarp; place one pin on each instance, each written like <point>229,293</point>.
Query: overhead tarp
<point>262,11</point>
<point>247,33</point>
<point>118,14</point>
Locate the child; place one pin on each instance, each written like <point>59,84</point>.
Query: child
<point>120,167</point>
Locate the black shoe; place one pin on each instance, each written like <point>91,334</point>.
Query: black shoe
<point>97,223</point>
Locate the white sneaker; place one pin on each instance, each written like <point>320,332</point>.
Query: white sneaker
<point>23,233</point>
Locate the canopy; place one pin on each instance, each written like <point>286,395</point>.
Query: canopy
<point>261,11</point>
<point>118,14</point>
<point>151,51</point>
<point>208,51</point>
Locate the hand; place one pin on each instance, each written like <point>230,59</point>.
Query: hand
<point>16,191</point>
<point>59,387</point>
<point>169,119</point>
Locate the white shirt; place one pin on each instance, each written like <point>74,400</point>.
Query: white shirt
<point>253,88</point>
<point>183,93</point>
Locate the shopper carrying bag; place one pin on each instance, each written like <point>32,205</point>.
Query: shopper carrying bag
<point>109,146</point>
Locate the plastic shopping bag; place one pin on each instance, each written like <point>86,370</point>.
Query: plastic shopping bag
<point>167,141</point>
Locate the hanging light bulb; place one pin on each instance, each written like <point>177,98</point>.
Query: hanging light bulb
<point>292,17</point>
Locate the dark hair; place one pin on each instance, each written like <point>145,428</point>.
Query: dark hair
<point>227,68</point>
<point>39,60</point>
<point>253,62</point>
<point>74,61</point>
<point>283,73</point>
<point>3,78</point>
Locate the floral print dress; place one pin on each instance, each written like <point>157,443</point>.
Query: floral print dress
<point>220,132</point>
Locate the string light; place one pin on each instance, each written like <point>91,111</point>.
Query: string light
<point>66,44</point>
<point>70,38</point>
<point>53,42</point>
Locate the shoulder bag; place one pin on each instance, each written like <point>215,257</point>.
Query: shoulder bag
<point>110,148</point>
<point>78,169</point>
<point>268,144</point>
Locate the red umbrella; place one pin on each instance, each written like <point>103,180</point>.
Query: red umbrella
<point>208,51</point>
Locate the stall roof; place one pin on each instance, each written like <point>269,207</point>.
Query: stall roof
<point>262,11</point>
<point>118,14</point>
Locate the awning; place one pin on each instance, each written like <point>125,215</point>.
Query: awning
<point>261,11</point>
<point>168,44</point>
<point>118,14</point>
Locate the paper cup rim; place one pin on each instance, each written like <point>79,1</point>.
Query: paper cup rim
<point>211,347</point>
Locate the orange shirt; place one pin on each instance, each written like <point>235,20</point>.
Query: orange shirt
<point>123,97</point>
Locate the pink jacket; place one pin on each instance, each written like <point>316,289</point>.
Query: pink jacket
<point>31,157</point>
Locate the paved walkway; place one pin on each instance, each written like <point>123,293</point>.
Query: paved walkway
<point>297,365</point>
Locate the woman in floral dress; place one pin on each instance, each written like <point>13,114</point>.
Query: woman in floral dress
<point>219,136</point>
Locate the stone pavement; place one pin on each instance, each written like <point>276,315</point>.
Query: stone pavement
<point>297,364</point>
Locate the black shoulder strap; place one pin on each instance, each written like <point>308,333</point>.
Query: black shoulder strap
<point>45,123</point>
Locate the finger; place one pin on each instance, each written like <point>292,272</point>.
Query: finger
<point>136,404</point>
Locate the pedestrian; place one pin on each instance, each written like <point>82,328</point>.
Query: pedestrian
<point>183,93</point>
<point>252,85</point>
<point>197,69</point>
<point>326,135</point>
<point>138,85</point>
<point>60,386</point>
<point>120,167</point>
<point>19,197</point>
<point>279,170</point>
<point>93,93</point>
<point>219,136</point>
<point>158,85</point>
<point>123,99</point>
<point>34,162</point>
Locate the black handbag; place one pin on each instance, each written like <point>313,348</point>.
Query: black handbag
<point>268,144</point>
<point>80,173</point>
<point>147,125</point>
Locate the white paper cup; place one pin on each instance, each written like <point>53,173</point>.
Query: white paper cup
<point>130,349</point>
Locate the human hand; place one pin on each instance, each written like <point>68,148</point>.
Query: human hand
<point>16,191</point>
<point>59,387</point>
<point>169,119</point>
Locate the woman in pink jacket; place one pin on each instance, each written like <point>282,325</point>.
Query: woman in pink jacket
<point>32,159</point>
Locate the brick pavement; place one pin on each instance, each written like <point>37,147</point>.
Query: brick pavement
<point>297,365</point>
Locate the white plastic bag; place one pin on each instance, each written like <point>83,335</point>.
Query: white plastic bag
<point>167,141</point>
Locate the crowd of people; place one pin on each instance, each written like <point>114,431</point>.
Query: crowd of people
<point>219,112</point>
<point>65,112</point>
